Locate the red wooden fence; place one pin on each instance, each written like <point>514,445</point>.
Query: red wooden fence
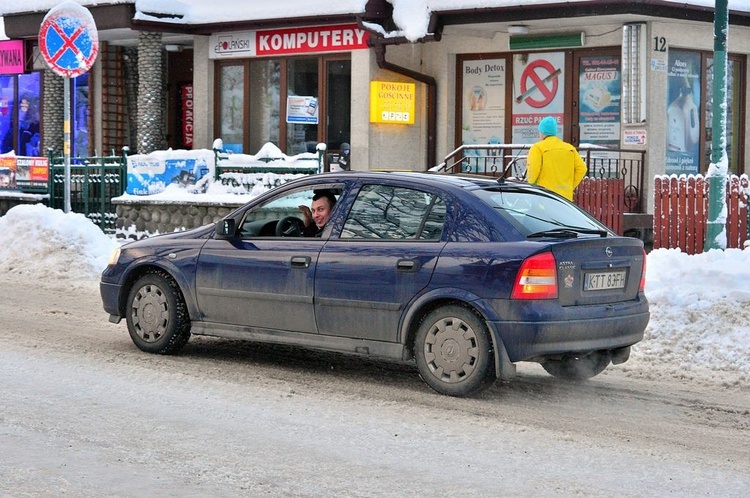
<point>681,210</point>
<point>604,199</point>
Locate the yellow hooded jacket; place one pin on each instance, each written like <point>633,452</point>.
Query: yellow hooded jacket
<point>555,165</point>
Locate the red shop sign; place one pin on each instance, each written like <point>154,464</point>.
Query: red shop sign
<point>12,57</point>
<point>337,38</point>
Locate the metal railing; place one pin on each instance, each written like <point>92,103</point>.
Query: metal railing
<point>509,160</point>
<point>94,181</point>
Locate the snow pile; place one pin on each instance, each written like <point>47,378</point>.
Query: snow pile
<point>700,315</point>
<point>48,244</point>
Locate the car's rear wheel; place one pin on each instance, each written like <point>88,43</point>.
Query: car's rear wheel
<point>157,315</point>
<point>578,367</point>
<point>453,351</point>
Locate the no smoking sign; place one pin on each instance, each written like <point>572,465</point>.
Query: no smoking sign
<point>539,83</point>
<point>68,40</point>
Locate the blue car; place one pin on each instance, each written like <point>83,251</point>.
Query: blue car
<point>464,275</point>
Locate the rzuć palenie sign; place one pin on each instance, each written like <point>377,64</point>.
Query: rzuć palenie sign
<point>68,39</point>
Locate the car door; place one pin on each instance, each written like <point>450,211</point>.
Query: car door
<point>385,255</point>
<point>260,279</point>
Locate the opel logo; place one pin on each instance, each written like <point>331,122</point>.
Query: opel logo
<point>608,252</point>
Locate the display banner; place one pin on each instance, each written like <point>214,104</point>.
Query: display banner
<point>683,112</point>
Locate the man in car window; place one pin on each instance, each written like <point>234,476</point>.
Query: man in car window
<point>315,218</point>
<point>554,164</point>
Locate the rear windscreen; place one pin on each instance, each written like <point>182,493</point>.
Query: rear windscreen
<point>533,211</point>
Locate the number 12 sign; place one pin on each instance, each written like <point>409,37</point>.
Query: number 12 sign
<point>68,39</point>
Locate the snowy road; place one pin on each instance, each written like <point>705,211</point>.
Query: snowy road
<point>84,413</point>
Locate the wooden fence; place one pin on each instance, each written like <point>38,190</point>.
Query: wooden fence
<point>681,210</point>
<point>604,199</point>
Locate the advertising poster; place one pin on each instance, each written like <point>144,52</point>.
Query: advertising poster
<point>18,172</point>
<point>150,174</point>
<point>599,109</point>
<point>302,110</point>
<point>32,172</point>
<point>483,94</point>
<point>683,112</point>
<point>538,91</point>
<point>7,172</point>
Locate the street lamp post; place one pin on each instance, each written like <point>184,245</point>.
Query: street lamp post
<point>717,170</point>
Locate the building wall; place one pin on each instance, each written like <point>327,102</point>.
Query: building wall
<point>203,94</point>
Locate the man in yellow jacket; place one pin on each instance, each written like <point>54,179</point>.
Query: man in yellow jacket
<point>554,164</point>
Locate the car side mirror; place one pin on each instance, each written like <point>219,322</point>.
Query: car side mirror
<point>226,229</point>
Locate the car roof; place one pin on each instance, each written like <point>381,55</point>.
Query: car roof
<point>460,180</point>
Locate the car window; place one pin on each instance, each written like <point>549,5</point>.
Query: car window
<point>261,221</point>
<point>384,212</point>
<point>533,211</point>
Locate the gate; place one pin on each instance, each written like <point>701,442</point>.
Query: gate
<point>94,181</point>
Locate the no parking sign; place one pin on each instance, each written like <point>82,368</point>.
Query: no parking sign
<point>68,39</point>
<point>69,43</point>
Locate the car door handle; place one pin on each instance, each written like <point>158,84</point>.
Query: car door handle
<point>301,262</point>
<point>407,265</point>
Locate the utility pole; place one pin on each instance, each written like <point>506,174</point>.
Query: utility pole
<point>717,171</point>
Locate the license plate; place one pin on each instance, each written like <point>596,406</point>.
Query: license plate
<point>604,281</point>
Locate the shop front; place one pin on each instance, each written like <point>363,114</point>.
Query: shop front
<point>291,87</point>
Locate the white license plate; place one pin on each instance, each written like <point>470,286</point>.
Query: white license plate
<point>604,281</point>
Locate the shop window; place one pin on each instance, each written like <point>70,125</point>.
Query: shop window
<point>302,110</point>
<point>230,114</point>
<point>690,107</point>
<point>734,99</point>
<point>7,107</point>
<point>80,115</point>
<point>293,103</point>
<point>264,102</point>
<point>28,115</point>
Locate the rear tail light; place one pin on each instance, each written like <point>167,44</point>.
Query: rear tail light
<point>537,278</point>
<point>643,272</point>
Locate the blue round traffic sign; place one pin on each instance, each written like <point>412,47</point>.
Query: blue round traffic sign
<point>68,40</point>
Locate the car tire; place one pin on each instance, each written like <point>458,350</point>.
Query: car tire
<point>453,351</point>
<point>157,315</point>
<point>578,367</point>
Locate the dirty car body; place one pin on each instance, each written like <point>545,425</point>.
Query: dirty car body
<point>464,275</point>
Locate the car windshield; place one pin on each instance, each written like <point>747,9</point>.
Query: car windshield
<point>536,214</point>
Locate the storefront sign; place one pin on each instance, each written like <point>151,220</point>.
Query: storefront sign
<point>314,39</point>
<point>20,172</point>
<point>634,137</point>
<point>302,110</point>
<point>187,115</point>
<point>392,102</point>
<point>12,57</point>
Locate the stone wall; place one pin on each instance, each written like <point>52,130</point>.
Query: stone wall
<point>140,219</point>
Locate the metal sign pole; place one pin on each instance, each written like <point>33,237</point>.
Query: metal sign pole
<point>66,142</point>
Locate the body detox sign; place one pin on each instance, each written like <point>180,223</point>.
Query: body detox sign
<point>339,38</point>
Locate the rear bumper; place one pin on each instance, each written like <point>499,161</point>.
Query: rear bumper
<point>527,340</point>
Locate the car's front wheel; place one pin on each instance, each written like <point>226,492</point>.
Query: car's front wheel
<point>453,351</point>
<point>578,367</point>
<point>157,315</point>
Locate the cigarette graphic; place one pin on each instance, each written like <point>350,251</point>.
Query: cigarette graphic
<point>545,80</point>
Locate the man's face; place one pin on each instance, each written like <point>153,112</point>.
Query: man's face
<point>321,211</point>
